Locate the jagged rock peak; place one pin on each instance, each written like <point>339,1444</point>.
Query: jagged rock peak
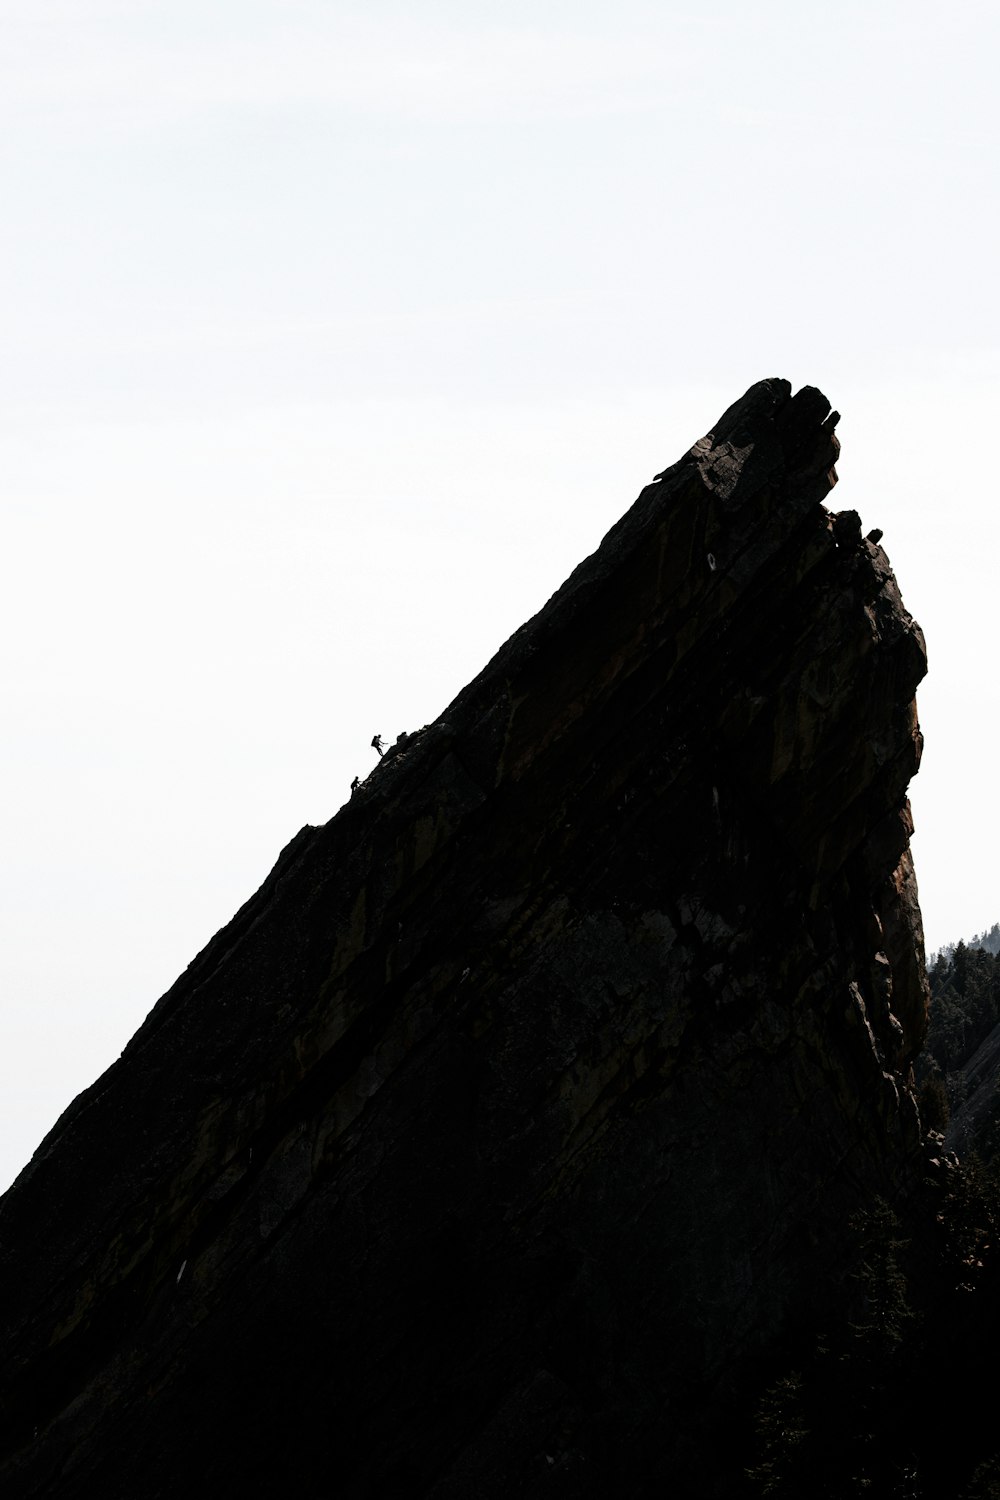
<point>520,1112</point>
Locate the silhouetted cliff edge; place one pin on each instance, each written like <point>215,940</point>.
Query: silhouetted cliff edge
<point>520,1113</point>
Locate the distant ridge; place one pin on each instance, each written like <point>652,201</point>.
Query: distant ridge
<point>989,940</point>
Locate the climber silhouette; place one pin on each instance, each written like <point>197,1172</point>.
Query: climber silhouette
<point>355,784</point>
<point>377,744</point>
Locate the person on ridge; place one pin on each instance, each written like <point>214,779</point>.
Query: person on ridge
<point>378,745</point>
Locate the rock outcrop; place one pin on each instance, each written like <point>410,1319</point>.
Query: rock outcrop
<point>520,1112</point>
<point>982,1072</point>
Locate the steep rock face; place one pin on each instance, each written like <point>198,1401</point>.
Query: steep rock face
<point>981,1074</point>
<point>522,1108</point>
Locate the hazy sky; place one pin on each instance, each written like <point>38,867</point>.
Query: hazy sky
<point>336,335</point>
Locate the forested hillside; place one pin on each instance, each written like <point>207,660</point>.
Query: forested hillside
<point>989,940</point>
<point>958,1069</point>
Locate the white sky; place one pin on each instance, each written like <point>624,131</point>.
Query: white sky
<point>336,335</point>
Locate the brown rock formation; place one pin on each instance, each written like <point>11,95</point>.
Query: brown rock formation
<point>522,1108</point>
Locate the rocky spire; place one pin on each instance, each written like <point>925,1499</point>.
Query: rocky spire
<point>522,1109</point>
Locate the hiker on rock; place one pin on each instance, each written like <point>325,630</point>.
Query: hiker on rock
<point>378,745</point>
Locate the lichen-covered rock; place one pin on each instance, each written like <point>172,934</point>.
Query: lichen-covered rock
<point>522,1109</point>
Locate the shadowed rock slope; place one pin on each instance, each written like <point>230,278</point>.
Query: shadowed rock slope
<point>521,1110</point>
